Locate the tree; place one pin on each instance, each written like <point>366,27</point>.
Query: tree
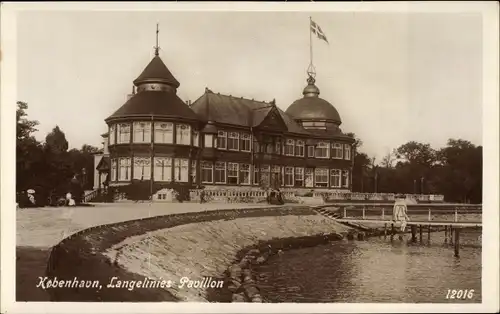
<point>56,141</point>
<point>28,149</point>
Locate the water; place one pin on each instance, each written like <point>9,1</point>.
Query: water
<point>375,270</point>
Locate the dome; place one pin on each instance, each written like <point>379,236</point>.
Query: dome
<point>311,107</point>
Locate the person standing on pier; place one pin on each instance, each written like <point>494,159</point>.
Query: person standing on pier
<point>400,212</point>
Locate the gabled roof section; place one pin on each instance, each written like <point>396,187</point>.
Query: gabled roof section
<point>273,121</point>
<point>157,71</point>
<point>103,164</point>
<point>240,111</point>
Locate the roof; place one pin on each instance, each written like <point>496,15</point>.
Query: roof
<point>157,71</point>
<point>226,109</point>
<point>313,108</point>
<point>103,164</point>
<point>157,103</point>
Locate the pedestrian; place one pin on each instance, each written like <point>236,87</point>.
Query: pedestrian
<point>400,212</point>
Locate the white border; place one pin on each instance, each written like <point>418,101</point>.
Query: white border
<point>490,289</point>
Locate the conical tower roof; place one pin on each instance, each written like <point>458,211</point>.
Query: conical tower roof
<point>157,72</point>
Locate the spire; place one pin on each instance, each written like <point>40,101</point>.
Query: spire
<point>157,47</point>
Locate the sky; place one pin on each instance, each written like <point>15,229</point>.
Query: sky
<point>393,77</point>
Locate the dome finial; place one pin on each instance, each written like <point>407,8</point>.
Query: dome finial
<point>157,47</point>
<point>311,90</point>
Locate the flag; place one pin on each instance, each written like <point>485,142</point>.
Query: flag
<point>315,29</point>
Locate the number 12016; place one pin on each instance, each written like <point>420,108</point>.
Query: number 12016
<point>460,294</point>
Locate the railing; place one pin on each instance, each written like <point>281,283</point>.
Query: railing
<point>91,195</point>
<point>294,195</point>
<point>376,211</point>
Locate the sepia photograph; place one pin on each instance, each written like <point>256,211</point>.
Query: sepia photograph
<point>332,157</point>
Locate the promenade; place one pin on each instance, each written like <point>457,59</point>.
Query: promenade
<point>47,226</point>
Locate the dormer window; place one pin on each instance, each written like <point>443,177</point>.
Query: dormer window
<point>314,125</point>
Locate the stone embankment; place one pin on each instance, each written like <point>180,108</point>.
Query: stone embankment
<point>193,245</point>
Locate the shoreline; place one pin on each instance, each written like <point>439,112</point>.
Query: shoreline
<point>82,255</point>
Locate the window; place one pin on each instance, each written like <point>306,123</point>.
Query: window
<point>269,148</point>
<point>345,178</point>
<point>335,178</point>
<point>255,175</point>
<point>181,171</point>
<point>277,147</point>
<point>347,152</point>
<point>124,169</point>
<point>299,176</point>
<point>233,141</point>
<point>221,140</point>
<point>314,125</point>
<point>289,176</point>
<point>196,138</point>
<point>123,133</point>
<point>207,169</point>
<point>256,147</point>
<point>244,174</point>
<point>112,134</point>
<point>142,168</point>
<point>322,150</point>
<point>245,142</point>
<point>209,138</point>
<point>164,133</point>
<point>265,172</point>
<point>183,134</point>
<point>163,169</point>
<point>321,177</point>
<point>299,148</point>
<point>337,151</point>
<point>114,166</point>
<point>276,176</point>
<point>142,132</point>
<point>310,151</point>
<point>309,179</point>
<point>220,172</point>
<point>290,147</point>
<point>232,173</point>
<point>193,171</point>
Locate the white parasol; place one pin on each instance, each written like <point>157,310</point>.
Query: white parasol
<point>31,191</point>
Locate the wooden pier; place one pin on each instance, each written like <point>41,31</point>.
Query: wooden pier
<point>376,214</point>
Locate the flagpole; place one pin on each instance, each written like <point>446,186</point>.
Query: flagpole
<point>310,42</point>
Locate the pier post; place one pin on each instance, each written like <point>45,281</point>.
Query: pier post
<point>421,233</point>
<point>451,234</point>
<point>429,234</point>
<point>363,212</point>
<point>345,212</point>
<point>393,232</point>
<point>429,215</point>
<point>456,214</point>
<point>457,242</point>
<point>383,213</point>
<point>445,234</point>
<point>413,233</point>
<point>385,230</point>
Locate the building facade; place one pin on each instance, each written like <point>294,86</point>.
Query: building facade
<point>223,141</point>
